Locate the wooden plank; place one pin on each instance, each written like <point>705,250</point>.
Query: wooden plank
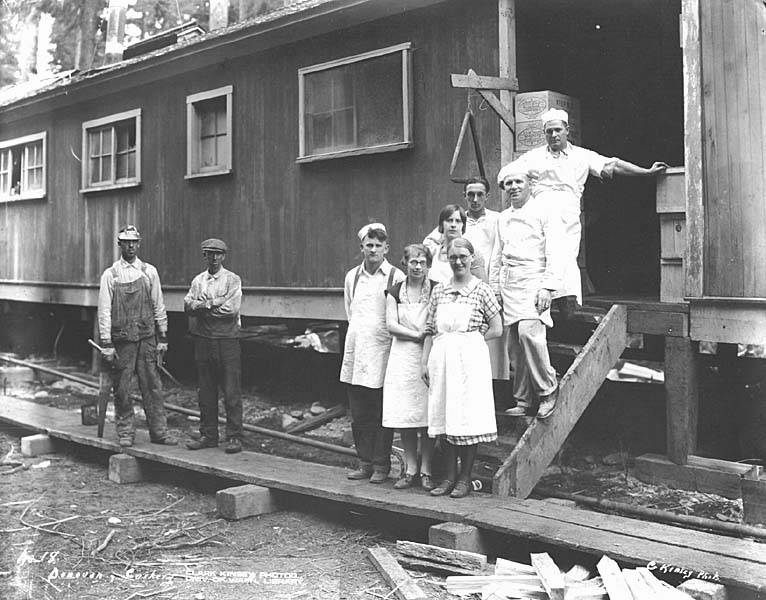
<point>521,471</point>
<point>613,580</point>
<point>402,585</point>
<point>659,470</point>
<point>484,82</point>
<point>506,58</point>
<point>738,562</point>
<point>550,575</point>
<point>313,422</point>
<point>681,398</point>
<point>638,587</point>
<point>521,586</point>
<point>674,324</point>
<point>471,560</point>
<point>660,589</point>
<point>502,111</point>
<point>418,564</point>
<point>733,323</point>
<point>693,127</point>
<point>508,567</point>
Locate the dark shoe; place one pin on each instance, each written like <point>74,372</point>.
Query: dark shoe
<point>461,490</point>
<point>203,442</point>
<point>233,446</point>
<point>165,441</point>
<point>444,488</point>
<point>379,477</point>
<point>125,441</point>
<point>427,482</point>
<point>547,405</point>
<point>360,473</point>
<point>406,481</point>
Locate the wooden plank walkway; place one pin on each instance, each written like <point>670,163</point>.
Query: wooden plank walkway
<point>738,562</point>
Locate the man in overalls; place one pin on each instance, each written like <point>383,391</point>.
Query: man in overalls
<point>366,350</point>
<point>133,328</point>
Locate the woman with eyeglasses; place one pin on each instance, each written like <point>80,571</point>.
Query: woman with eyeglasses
<point>462,314</point>
<point>452,225</point>
<point>405,394</point>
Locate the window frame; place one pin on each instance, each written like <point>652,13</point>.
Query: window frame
<point>407,104</point>
<point>113,184</point>
<point>193,169</point>
<point>24,142</point>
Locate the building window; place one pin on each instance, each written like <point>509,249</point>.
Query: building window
<point>22,168</point>
<point>112,151</point>
<point>208,133</point>
<point>356,105</point>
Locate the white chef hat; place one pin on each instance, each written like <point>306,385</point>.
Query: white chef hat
<point>370,226</point>
<point>554,114</point>
<point>512,168</point>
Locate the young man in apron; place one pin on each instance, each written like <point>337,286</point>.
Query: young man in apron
<point>133,328</point>
<point>366,350</point>
<point>559,171</point>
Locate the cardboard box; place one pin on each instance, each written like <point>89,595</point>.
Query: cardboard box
<point>530,134</point>
<point>530,106</point>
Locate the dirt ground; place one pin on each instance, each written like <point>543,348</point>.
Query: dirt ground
<point>66,532</point>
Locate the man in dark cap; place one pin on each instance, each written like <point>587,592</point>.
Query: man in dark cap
<point>133,327</point>
<point>213,304</point>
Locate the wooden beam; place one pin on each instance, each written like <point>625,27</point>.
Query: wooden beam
<point>542,440</point>
<point>501,109</point>
<point>693,158</point>
<point>486,83</point>
<point>733,322</point>
<point>466,560</point>
<point>506,25</point>
<point>550,575</point>
<point>403,586</point>
<point>614,582</point>
<point>673,324</point>
<point>638,587</point>
<point>681,398</point>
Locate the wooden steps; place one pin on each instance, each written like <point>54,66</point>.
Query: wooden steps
<point>738,562</point>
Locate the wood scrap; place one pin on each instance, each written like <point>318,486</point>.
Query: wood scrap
<point>105,543</point>
<point>418,564</point>
<point>509,567</point>
<point>614,582</point>
<point>313,422</point>
<point>660,588</point>
<point>550,575</point>
<point>592,589</point>
<point>526,585</point>
<point>403,586</point>
<point>638,587</point>
<point>499,591</point>
<point>459,558</point>
<point>576,573</point>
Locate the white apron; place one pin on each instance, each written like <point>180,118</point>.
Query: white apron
<point>519,285</point>
<point>405,394</point>
<point>568,206</point>
<point>367,340</point>
<point>460,398</point>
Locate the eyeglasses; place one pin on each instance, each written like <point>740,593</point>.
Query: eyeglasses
<point>417,263</point>
<point>462,258</point>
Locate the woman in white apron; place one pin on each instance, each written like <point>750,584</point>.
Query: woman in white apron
<point>405,394</point>
<point>462,314</point>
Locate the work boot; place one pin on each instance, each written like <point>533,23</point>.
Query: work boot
<point>233,446</point>
<point>203,442</point>
<point>165,440</point>
<point>547,405</point>
<point>363,472</point>
<point>379,476</point>
<point>125,441</point>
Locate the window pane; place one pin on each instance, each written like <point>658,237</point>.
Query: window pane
<point>207,152</point>
<point>121,166</point>
<point>126,136</point>
<point>222,150</point>
<point>358,105</point>
<point>94,143</point>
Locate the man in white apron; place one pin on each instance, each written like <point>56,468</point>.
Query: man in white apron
<point>525,271</point>
<point>559,171</point>
<point>366,350</point>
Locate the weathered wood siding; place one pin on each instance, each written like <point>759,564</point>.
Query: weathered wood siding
<point>733,45</point>
<point>287,224</point>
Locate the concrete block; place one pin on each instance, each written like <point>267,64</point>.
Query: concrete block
<point>243,501</point>
<point>457,536</point>
<point>703,590</point>
<point>754,501</point>
<point>35,445</point>
<point>125,469</point>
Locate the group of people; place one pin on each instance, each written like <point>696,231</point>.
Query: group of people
<point>422,345</point>
<point>133,326</point>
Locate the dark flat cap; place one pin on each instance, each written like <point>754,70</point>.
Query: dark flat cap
<point>215,245</point>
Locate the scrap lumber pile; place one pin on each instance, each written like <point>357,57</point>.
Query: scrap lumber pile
<point>469,574</point>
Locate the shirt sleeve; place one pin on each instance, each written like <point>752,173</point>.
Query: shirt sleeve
<point>347,291</point>
<point>489,304</point>
<point>598,165</point>
<point>160,314</point>
<point>232,300</point>
<point>192,295</point>
<point>431,314</point>
<point>105,290</point>
<point>433,241</point>
<point>496,258</point>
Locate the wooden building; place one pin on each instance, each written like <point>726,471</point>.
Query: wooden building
<point>283,135</point>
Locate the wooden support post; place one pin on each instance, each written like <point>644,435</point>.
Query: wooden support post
<point>681,398</point>
<point>506,21</point>
<point>521,471</point>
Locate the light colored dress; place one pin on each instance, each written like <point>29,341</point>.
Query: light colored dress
<point>405,394</point>
<point>367,341</point>
<point>460,399</point>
